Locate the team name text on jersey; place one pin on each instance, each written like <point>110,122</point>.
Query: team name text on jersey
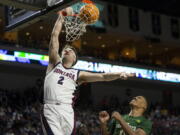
<point>70,75</point>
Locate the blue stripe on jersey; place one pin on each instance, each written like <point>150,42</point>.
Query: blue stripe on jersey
<point>46,126</point>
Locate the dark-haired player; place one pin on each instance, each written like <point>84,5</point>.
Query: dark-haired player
<point>133,123</point>
<point>60,83</point>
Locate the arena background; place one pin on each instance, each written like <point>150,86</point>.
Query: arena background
<point>136,36</point>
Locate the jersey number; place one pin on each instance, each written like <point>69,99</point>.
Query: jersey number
<point>61,79</point>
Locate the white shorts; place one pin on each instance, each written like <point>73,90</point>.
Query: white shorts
<point>57,119</point>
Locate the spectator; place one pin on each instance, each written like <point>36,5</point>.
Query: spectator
<point>19,115</point>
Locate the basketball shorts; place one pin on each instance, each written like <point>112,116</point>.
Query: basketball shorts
<point>57,119</point>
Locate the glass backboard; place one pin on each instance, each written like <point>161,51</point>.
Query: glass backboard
<point>17,18</point>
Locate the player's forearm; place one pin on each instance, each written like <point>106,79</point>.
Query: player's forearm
<point>111,76</point>
<point>104,129</point>
<point>127,129</point>
<point>54,42</point>
<point>57,27</point>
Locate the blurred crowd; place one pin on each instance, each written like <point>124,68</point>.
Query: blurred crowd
<point>19,114</point>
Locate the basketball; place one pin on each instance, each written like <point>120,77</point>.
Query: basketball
<point>89,13</point>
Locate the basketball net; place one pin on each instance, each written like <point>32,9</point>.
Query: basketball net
<point>74,28</point>
<point>74,25</point>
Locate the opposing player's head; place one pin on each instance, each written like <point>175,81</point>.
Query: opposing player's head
<point>139,102</point>
<point>69,55</point>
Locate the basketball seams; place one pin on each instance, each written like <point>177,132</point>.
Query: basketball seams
<point>89,13</point>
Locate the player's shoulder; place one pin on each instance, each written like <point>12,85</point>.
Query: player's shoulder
<point>146,120</point>
<point>51,67</point>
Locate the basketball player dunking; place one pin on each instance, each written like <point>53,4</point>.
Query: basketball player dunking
<point>60,83</point>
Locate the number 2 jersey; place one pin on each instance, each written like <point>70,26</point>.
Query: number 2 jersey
<point>60,84</point>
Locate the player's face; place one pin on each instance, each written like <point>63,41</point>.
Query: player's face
<point>139,102</point>
<point>69,55</point>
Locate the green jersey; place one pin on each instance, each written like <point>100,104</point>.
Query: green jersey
<point>134,122</point>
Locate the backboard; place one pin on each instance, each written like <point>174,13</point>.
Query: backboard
<point>21,13</point>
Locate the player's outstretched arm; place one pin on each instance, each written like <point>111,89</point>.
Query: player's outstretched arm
<point>54,42</point>
<point>53,53</point>
<point>95,77</point>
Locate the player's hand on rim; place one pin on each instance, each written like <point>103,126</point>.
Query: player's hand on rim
<point>67,12</point>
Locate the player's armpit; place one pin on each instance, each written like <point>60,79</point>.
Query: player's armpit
<point>140,131</point>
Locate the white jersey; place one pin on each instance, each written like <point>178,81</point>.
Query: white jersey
<point>60,84</point>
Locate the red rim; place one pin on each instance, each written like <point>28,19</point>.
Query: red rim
<point>72,15</point>
<point>84,1</point>
<point>87,1</point>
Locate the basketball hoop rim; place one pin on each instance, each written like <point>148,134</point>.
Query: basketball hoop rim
<point>83,1</point>
<point>74,24</point>
<point>87,1</point>
<point>74,15</point>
